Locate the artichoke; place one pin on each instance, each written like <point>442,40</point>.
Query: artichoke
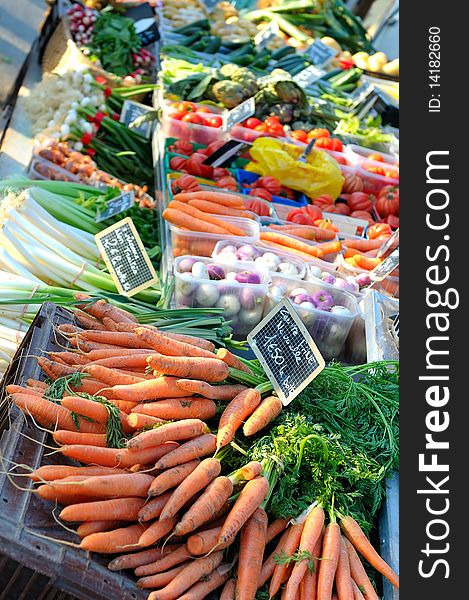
<point>228,70</point>
<point>229,93</point>
<point>289,91</point>
<point>283,111</point>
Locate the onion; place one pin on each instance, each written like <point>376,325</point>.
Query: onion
<point>199,270</point>
<point>297,291</point>
<point>250,318</point>
<point>206,295</point>
<point>308,305</point>
<point>328,278</point>
<point>300,298</point>
<point>186,264</point>
<point>363,279</point>
<point>271,260</point>
<point>230,248</point>
<point>315,271</point>
<point>231,276</point>
<point>249,298</point>
<point>247,252</point>
<point>215,272</point>
<point>288,269</point>
<point>228,257</point>
<point>230,304</point>
<point>341,310</point>
<point>248,277</point>
<point>343,284</point>
<point>323,300</point>
<point>277,292</point>
<point>185,285</point>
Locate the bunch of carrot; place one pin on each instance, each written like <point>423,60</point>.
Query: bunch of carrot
<point>216,203</point>
<point>307,232</point>
<point>286,242</point>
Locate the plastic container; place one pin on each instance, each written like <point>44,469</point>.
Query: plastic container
<point>299,265</point>
<point>42,169</point>
<point>248,136</point>
<point>388,286</point>
<point>328,329</point>
<point>181,130</point>
<point>372,182</point>
<point>330,258</point>
<point>341,157</point>
<point>243,303</point>
<point>202,244</point>
<point>357,154</point>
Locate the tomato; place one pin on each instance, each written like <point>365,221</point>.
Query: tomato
<point>313,211</point>
<point>326,224</point>
<point>300,135</point>
<point>393,221</point>
<point>324,142</point>
<point>175,114</point>
<point>375,156</point>
<point>364,215</point>
<point>272,121</point>
<point>195,166</point>
<point>271,184</point>
<point>375,170</point>
<point>341,160</point>
<point>194,118</point>
<point>203,109</point>
<point>352,183</point>
<point>261,193</point>
<point>257,206</point>
<point>336,145</point>
<point>316,133</point>
<point>185,183</point>
<point>388,201</point>
<point>177,163</point>
<point>214,122</point>
<point>276,130</point>
<point>379,230</point>
<point>252,122</point>
<point>262,127</point>
<point>184,107</point>
<point>359,201</point>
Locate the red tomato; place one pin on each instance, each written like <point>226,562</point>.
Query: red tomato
<point>214,122</point>
<point>276,130</point>
<point>317,133</point>
<point>261,127</point>
<point>272,121</point>
<point>376,156</point>
<point>252,123</point>
<point>203,109</point>
<point>375,170</point>
<point>185,106</point>
<point>324,142</point>
<point>175,114</point>
<point>336,145</point>
<point>300,135</point>
<point>194,118</point>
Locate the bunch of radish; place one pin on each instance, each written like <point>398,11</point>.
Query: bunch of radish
<point>81,21</point>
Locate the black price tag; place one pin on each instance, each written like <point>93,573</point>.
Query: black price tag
<point>287,352</point>
<point>147,30</point>
<point>124,201</point>
<point>126,258</point>
<point>320,53</point>
<point>265,35</point>
<point>132,110</point>
<point>308,76</point>
<point>386,267</point>
<point>224,156</point>
<point>240,113</point>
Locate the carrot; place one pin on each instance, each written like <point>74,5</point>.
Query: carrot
<point>69,358</point>
<point>311,532</point>
<point>120,361</point>
<point>53,415</point>
<point>138,421</point>
<point>313,234</point>
<point>187,407</point>
<point>179,430</point>
<point>269,564</point>
<point>116,338</point>
<point>179,555</point>
<point>251,469</point>
<point>85,346</point>
<point>108,486</point>
<point>186,221</point>
<point>349,252</point>
<point>219,209</point>
<point>90,527</point>
<point>289,242</point>
<point>86,321</point>
<point>118,509</point>
<point>37,383</point>
<point>123,406</point>
<point>207,584</point>
<point>275,528</point>
<point>329,561</point>
<point>210,502</point>
<point>95,355</point>
<point>138,559</point>
<point>18,389</point>
<point>219,197</point>
<point>93,387</point>
<point>207,219</point>
<point>250,498</point>
<point>280,247</point>
<point>287,545</point>
<point>63,436</point>
<point>308,585</point>
<point>169,346</point>
<point>171,477</point>
<point>160,579</point>
<point>203,542</point>
<point>358,572</point>
<point>67,328</point>
<point>200,477</point>
<point>156,531</point>
<point>343,578</point>
<point>101,308</point>
<point>266,412</point>
<point>153,508</point>
<point>92,410</point>
<point>54,370</point>
<point>187,339</point>
<point>251,550</point>
<point>213,392</point>
<point>54,472</point>
<point>229,590</point>
<point>232,361</point>
<point>325,248</point>
<point>114,457</point>
<point>362,244</point>
<point>210,369</point>
<point>235,413</point>
<point>197,569</point>
<point>109,376</point>
<point>363,262</point>
<point>111,542</point>
<point>202,445</point>
<point>354,533</point>
<point>162,387</point>
<point>357,595</point>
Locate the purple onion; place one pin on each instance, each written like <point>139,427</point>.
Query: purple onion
<point>249,298</point>
<point>215,272</point>
<point>297,291</point>
<point>186,264</point>
<point>228,249</point>
<point>343,284</point>
<point>248,277</point>
<point>328,278</point>
<point>363,279</point>
<point>247,252</point>
<point>323,300</point>
<point>303,298</point>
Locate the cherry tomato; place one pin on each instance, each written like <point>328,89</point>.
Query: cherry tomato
<point>175,114</point>
<point>261,127</point>
<point>272,121</point>
<point>185,106</point>
<point>203,109</point>
<point>376,156</point>
<point>318,133</point>
<point>336,145</point>
<point>194,118</point>
<point>324,142</point>
<point>300,135</point>
<point>252,122</point>
<point>276,130</point>
<point>214,122</point>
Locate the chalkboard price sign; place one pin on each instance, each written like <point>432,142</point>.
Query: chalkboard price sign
<point>224,156</point>
<point>147,30</point>
<point>287,352</point>
<point>241,112</point>
<point>386,267</point>
<point>308,76</point>
<point>126,258</point>
<point>132,110</point>
<point>115,206</point>
<point>320,53</point>
<point>265,35</point>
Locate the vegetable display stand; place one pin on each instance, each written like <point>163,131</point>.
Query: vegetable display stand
<point>24,516</point>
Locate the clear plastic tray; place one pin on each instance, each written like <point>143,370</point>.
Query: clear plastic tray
<point>357,154</point>
<point>202,244</point>
<point>244,134</point>
<point>388,286</point>
<point>200,134</point>
<point>243,302</point>
<point>329,330</point>
<point>42,169</point>
<point>372,182</point>
<point>300,265</point>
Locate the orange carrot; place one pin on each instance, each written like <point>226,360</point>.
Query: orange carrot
<point>172,477</point>
<point>213,392</point>
<point>160,579</point>
<point>118,509</point>
<point>266,412</point>
<point>138,559</point>
<point>92,410</point>
<point>93,387</point>
<point>153,508</point>
<point>200,446</point>
<point>268,566</point>
<point>275,528</point>
<point>288,545</point>
<point>138,421</point>
<point>123,406</point>
<point>357,595</point>
<point>204,508</point>
<point>111,542</point>
<point>207,584</point>
<point>354,533</point>
<point>18,389</point>
<point>290,242</point>
<point>343,578</point>
<point>179,408</point>
<point>69,358</point>
<point>136,361</point>
<point>203,542</point>
<point>37,383</point>
<point>229,590</point>
<point>308,585</point>
<point>116,338</point>
<point>55,370</point>
<point>280,247</point>
<point>329,561</point>
<point>251,550</point>
<point>196,570</point>
<point>207,219</point>
<point>114,457</point>
<point>313,234</point>
<point>241,407</point>
<point>109,376</point>
<point>186,221</point>
<point>211,369</point>
<point>107,486</point>
<point>86,321</point>
<point>54,472</point>
<point>95,355</point>
<point>251,469</point>
<point>63,436</point>
<point>358,572</point>
<point>101,308</point>
<point>362,244</point>
<point>90,527</point>
<point>325,248</point>
<point>218,209</point>
<point>250,498</point>
<point>156,531</point>
<point>179,430</point>
<point>179,555</point>
<point>219,197</point>
<point>187,339</point>
<point>232,361</point>
<point>169,346</point>
<point>363,262</point>
<point>311,532</point>
<point>200,477</point>
<point>162,387</point>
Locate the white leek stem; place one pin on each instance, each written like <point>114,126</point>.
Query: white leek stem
<point>8,262</point>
